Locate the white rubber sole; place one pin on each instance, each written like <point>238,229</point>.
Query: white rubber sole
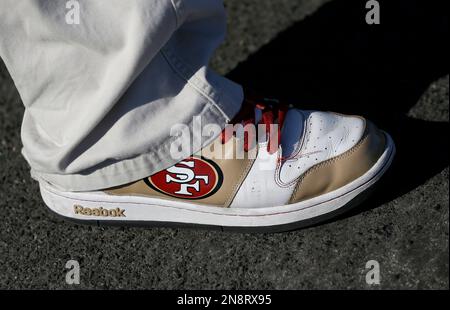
<point>100,208</point>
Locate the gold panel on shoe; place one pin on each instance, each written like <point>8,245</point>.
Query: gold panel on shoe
<point>343,169</point>
<point>212,178</point>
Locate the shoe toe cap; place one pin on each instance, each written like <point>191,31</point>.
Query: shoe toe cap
<point>323,135</point>
<point>351,156</point>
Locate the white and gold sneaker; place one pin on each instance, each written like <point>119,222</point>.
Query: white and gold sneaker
<point>321,165</point>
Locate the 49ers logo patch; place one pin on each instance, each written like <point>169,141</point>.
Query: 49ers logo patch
<point>192,178</point>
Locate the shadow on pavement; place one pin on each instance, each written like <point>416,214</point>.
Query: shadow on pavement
<point>334,61</point>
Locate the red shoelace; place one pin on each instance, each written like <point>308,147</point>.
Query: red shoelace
<point>273,113</point>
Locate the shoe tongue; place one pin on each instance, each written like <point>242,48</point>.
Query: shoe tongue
<point>292,132</point>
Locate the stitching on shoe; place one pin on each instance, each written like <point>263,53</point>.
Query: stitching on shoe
<point>330,161</point>
<point>238,185</point>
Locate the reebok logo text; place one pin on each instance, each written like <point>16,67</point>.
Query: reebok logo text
<point>117,212</point>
